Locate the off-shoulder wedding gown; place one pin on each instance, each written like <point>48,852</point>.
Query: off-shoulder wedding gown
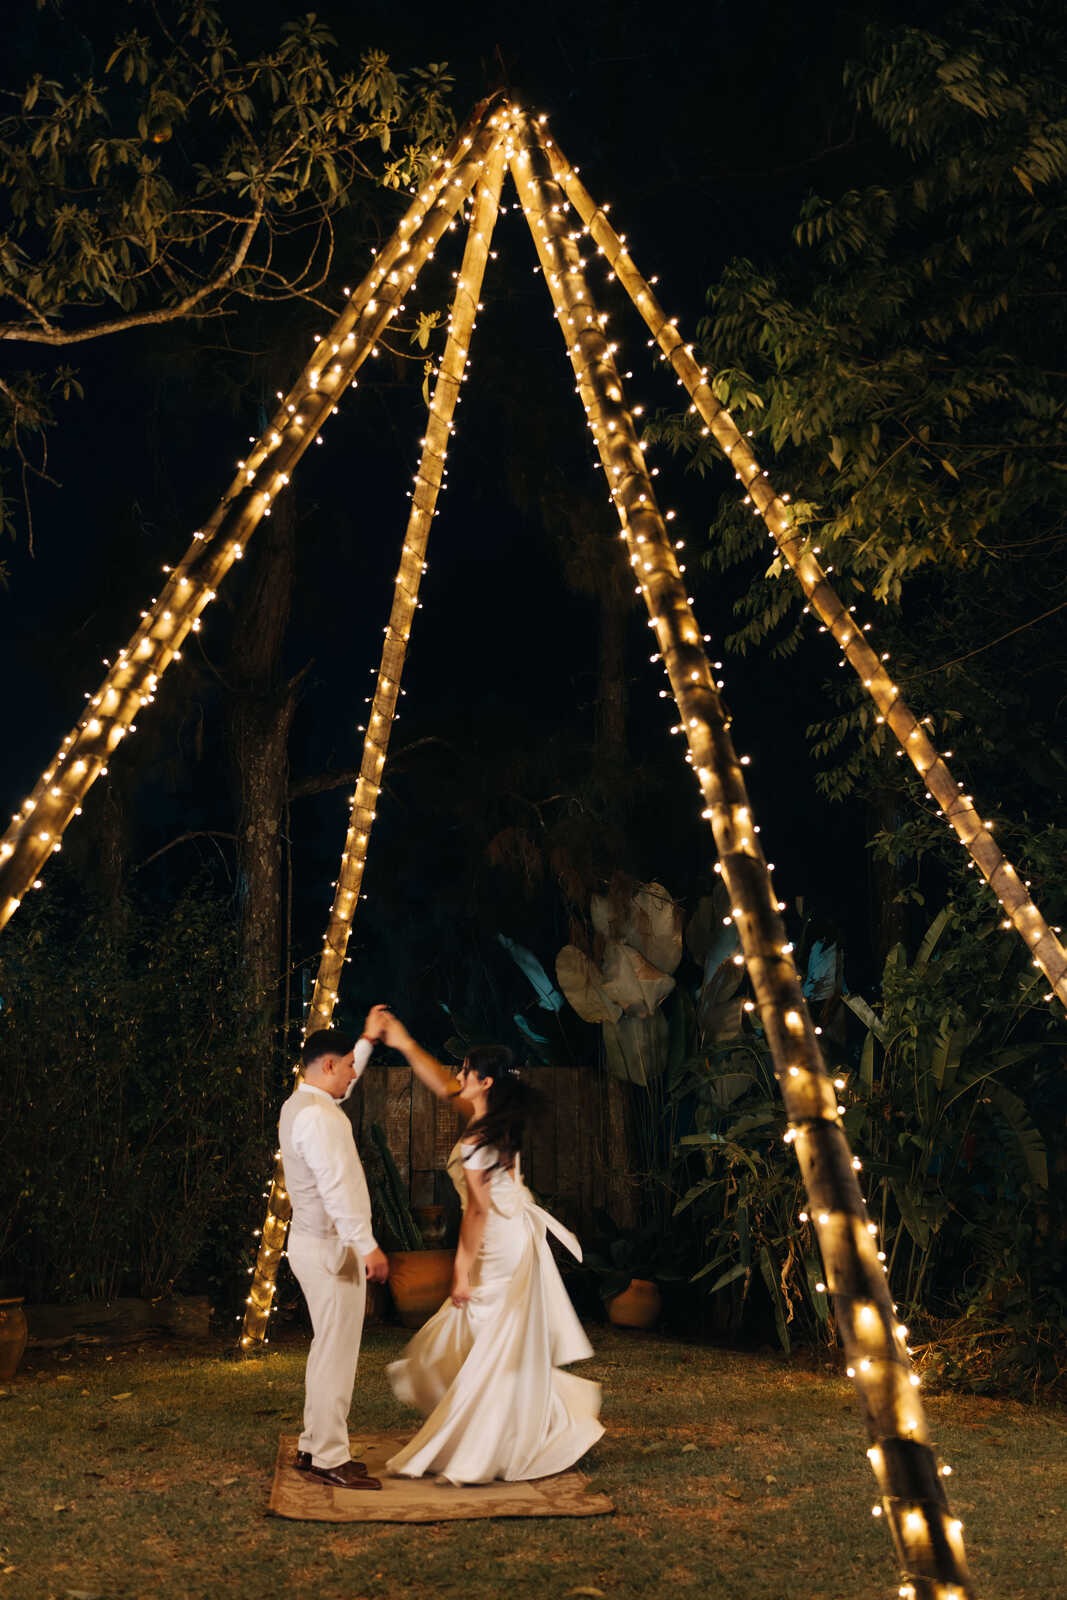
<point>486,1375</point>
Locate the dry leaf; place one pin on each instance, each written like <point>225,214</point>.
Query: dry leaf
<point>582,983</point>
<point>632,981</point>
<point>687,1447</point>
<point>588,1589</point>
<point>647,919</point>
<point>127,1394</point>
<point>769,1478</point>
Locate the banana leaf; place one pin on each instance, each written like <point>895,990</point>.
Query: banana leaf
<point>695,1193</point>
<point>948,1050</point>
<point>769,1269</point>
<point>583,984</point>
<point>738,1270</point>
<point>915,1223</point>
<point>649,921</point>
<point>1029,1151</point>
<point>632,981</point>
<point>635,1048</point>
<point>867,1061</point>
<point>548,996</point>
<point>930,938</point>
<point>870,1019</point>
<point>813,1273</point>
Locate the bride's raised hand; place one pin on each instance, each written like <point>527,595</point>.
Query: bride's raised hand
<point>396,1035</point>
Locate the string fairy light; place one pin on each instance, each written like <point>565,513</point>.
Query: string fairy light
<point>1046,951</point>
<point>192,585</point>
<point>913,1499</point>
<point>428,483</point>
<point>928,1540</point>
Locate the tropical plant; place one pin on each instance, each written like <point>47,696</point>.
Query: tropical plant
<point>131,1139</point>
<point>637,937</point>
<point>739,1193</point>
<point>937,1109</point>
<point>391,1197</point>
<point>950,1146</point>
<point>618,1255</point>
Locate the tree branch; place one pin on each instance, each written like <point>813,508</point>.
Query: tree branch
<point>928,671</point>
<point>324,782</point>
<point>57,336</point>
<point>183,838</point>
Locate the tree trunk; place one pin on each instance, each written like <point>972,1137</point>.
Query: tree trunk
<point>611,687</point>
<point>260,713</point>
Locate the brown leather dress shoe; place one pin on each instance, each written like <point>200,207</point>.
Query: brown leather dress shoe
<point>302,1462</point>
<point>349,1475</point>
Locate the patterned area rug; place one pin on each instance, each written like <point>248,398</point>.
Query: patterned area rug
<point>294,1494</point>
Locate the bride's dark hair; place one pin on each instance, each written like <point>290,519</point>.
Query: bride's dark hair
<point>513,1101</point>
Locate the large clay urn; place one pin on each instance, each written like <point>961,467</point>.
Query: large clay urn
<point>377,1302</point>
<point>638,1306</point>
<point>13,1334</point>
<point>420,1281</point>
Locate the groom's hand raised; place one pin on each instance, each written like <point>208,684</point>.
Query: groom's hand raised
<point>374,1027</point>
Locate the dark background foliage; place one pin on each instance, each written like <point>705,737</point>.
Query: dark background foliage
<point>882,241</point>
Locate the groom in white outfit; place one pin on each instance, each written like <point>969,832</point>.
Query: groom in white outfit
<point>332,1248</point>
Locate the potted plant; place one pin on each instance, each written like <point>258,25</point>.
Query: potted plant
<point>13,1332</point>
<point>627,1263</point>
<point>419,1276</point>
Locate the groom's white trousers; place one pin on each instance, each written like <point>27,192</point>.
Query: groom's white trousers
<point>333,1280</point>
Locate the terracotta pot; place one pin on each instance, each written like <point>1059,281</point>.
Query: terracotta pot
<point>377,1300</point>
<point>13,1334</point>
<point>638,1306</point>
<point>431,1221</point>
<point>420,1281</point>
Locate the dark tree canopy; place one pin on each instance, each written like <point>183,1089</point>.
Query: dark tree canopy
<point>170,170</point>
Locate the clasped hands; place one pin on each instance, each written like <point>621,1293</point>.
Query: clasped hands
<point>381,1024</point>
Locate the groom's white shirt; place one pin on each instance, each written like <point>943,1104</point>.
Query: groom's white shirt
<point>323,1172</point>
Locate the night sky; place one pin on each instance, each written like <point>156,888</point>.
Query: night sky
<point>705,126</point>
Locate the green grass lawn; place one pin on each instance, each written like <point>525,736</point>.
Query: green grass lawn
<point>145,1473</point>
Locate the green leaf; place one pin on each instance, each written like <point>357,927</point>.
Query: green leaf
<point>770,1271</point>
<point>728,1277</point>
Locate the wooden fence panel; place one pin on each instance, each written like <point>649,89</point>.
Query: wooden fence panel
<point>576,1156</point>
<point>423,1143</point>
<point>570,1104</point>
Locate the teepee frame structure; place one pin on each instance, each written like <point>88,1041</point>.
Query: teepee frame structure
<point>500,136</point>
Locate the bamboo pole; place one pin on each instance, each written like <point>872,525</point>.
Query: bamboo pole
<point>132,680</point>
<point>928,1539</point>
<point>428,481</point>
<point>975,834</point>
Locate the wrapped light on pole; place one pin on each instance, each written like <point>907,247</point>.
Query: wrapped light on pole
<point>133,678</point>
<point>428,479</point>
<point>928,1538</point>
<point>975,834</point>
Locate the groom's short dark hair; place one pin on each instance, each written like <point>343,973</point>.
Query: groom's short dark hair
<point>326,1042</point>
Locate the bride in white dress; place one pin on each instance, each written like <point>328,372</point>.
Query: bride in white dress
<point>485,1369</point>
